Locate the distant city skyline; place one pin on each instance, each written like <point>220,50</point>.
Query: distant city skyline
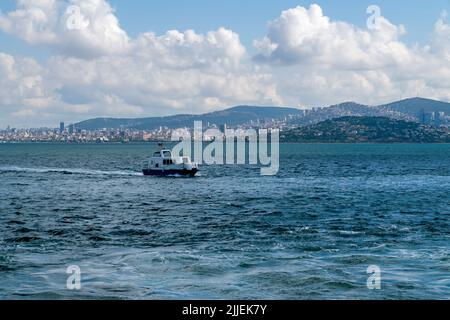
<point>71,60</point>
<point>422,116</point>
<point>424,111</point>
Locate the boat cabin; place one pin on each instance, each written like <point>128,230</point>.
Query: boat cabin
<point>165,158</point>
<point>164,163</point>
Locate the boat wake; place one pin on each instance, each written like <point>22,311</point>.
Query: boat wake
<point>70,171</point>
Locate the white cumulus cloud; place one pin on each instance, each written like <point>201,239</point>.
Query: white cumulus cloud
<point>318,61</point>
<point>307,36</point>
<point>84,28</point>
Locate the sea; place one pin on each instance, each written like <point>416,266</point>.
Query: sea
<point>339,221</point>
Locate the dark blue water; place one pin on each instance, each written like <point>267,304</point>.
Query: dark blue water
<point>308,233</point>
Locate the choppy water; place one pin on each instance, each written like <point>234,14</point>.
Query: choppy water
<point>308,233</point>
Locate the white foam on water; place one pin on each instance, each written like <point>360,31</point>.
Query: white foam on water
<point>70,171</point>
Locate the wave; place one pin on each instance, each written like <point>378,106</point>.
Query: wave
<point>70,171</point>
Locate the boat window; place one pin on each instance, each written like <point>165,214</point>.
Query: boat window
<point>157,154</point>
<point>157,165</point>
<point>167,154</point>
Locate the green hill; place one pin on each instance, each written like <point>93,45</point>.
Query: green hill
<point>367,129</point>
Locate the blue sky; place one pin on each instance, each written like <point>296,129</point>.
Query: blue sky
<point>124,63</point>
<point>249,18</point>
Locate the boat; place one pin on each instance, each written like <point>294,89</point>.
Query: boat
<point>163,163</point>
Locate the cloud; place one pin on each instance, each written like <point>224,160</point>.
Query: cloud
<point>307,36</point>
<point>33,21</point>
<point>187,50</point>
<point>83,28</point>
<point>317,61</point>
<point>21,83</point>
<point>26,95</point>
<point>441,38</point>
<point>174,83</point>
<point>166,74</point>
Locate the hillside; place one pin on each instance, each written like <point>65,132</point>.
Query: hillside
<point>233,116</point>
<point>367,129</point>
<point>414,105</point>
<point>407,110</point>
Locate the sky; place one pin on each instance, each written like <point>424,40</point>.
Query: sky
<point>70,60</point>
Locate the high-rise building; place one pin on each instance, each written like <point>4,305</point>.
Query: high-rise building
<point>431,118</point>
<point>61,127</point>
<point>439,118</point>
<point>71,129</point>
<point>422,116</point>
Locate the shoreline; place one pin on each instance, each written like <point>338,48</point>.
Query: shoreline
<point>174,142</point>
